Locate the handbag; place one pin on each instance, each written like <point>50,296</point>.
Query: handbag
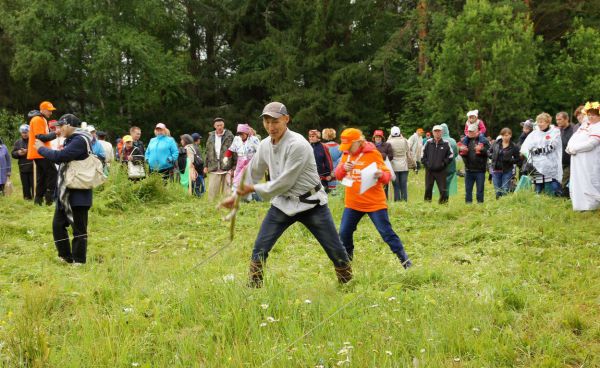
<point>8,187</point>
<point>135,171</point>
<point>85,174</point>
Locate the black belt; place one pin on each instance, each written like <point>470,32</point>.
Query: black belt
<point>313,191</point>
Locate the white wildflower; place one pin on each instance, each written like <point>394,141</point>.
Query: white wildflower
<point>388,352</point>
<point>271,319</point>
<point>457,359</point>
<point>264,306</point>
<point>476,329</point>
<point>422,351</point>
<point>391,298</point>
<point>263,324</point>
<point>307,301</point>
<point>229,278</point>
<point>127,310</point>
<point>135,364</point>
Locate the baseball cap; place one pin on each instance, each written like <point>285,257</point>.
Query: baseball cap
<point>395,132</point>
<point>69,119</point>
<point>91,128</point>
<point>127,138</point>
<point>196,136</point>
<point>348,137</point>
<point>160,126</point>
<point>274,110</point>
<point>47,105</point>
<point>378,132</point>
<point>24,128</point>
<point>472,127</point>
<point>101,134</point>
<point>439,127</point>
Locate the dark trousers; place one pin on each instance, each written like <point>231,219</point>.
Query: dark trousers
<point>350,220</point>
<point>27,184</point>
<point>477,178</point>
<point>45,181</point>
<point>400,185</point>
<point>198,185</point>
<point>317,220</point>
<point>439,178</point>
<point>61,236</point>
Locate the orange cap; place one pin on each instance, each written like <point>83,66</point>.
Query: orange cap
<point>348,137</point>
<point>46,105</point>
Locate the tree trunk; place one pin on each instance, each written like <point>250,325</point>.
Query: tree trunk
<point>422,24</point>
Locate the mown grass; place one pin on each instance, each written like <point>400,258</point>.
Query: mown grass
<point>510,283</point>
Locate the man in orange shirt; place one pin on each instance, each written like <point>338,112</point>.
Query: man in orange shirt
<point>44,170</point>
<point>358,155</point>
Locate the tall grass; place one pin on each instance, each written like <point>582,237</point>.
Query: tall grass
<point>512,282</point>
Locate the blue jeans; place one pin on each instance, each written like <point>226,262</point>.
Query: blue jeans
<point>400,185</point>
<point>477,178</point>
<point>555,188</point>
<point>317,220</point>
<point>350,220</point>
<point>199,187</point>
<point>502,182</point>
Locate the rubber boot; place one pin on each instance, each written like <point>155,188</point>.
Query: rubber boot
<point>255,278</point>
<point>344,274</point>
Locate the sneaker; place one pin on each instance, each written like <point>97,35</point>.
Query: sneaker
<point>407,264</point>
<point>78,264</point>
<point>63,260</point>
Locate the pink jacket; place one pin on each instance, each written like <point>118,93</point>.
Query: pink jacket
<point>482,128</point>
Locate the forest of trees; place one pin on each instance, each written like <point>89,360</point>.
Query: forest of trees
<point>365,63</point>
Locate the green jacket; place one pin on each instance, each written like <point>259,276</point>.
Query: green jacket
<point>446,136</point>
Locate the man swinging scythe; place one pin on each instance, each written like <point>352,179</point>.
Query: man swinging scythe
<point>295,192</point>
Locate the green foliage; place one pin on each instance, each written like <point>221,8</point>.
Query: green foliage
<point>570,76</point>
<point>487,61</point>
<point>9,126</point>
<point>334,63</point>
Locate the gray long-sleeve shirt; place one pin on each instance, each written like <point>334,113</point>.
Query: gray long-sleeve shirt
<point>293,172</point>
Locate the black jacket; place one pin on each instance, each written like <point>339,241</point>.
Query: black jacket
<point>476,162</point>
<point>436,155</point>
<point>503,159</point>
<point>75,149</point>
<point>25,165</point>
<point>565,136</point>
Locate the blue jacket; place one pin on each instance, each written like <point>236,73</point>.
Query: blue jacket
<point>75,149</point>
<point>98,150</point>
<point>161,153</point>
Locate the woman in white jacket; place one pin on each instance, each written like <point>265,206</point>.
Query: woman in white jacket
<point>584,148</point>
<point>543,149</point>
<point>400,164</point>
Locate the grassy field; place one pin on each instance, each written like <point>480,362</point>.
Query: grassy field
<point>510,283</point>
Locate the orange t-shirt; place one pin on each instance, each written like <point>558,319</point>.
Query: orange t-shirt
<point>373,199</point>
<point>37,125</point>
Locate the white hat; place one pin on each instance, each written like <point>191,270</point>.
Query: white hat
<point>90,128</point>
<point>473,127</point>
<point>473,113</point>
<point>84,125</point>
<point>395,132</point>
<point>437,127</point>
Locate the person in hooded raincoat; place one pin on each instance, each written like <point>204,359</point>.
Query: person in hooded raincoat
<point>543,150</point>
<point>584,148</point>
<point>451,177</point>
